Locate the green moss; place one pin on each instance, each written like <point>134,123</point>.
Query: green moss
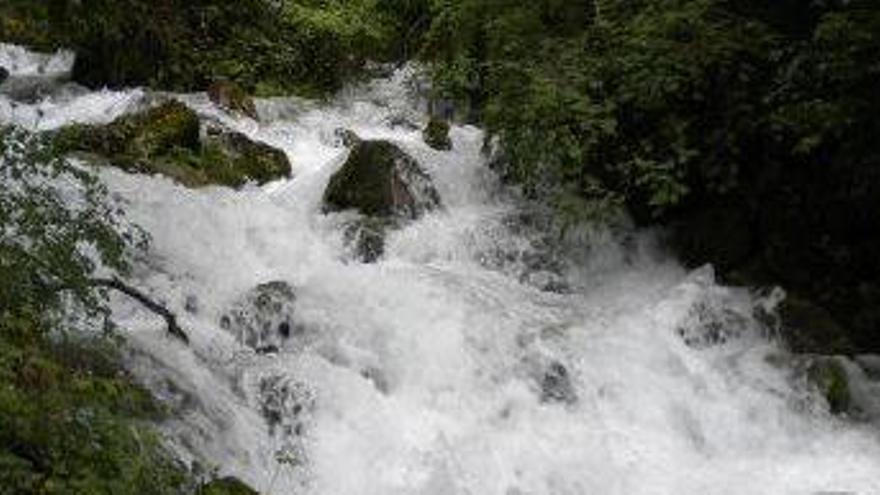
<point>436,134</point>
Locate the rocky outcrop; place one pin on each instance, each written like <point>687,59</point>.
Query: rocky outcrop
<point>232,98</point>
<point>167,139</point>
<point>436,134</point>
<point>386,186</point>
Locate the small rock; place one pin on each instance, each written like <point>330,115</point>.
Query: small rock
<point>191,304</point>
<point>436,135</point>
<point>346,137</point>
<point>263,318</point>
<point>556,385</point>
<point>4,74</point>
<point>231,97</point>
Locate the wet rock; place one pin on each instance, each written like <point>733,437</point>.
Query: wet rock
<point>285,404</point>
<point>346,137</point>
<point>263,318</point>
<point>808,328</point>
<point>381,180</point>
<point>436,134</point>
<point>227,486</point>
<point>829,376</point>
<point>556,384</point>
<point>166,139</point>
<point>191,304</point>
<point>367,237</point>
<point>4,74</point>
<point>710,324</point>
<point>233,98</point>
<point>237,159</point>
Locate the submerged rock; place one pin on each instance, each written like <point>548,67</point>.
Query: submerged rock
<point>166,139</point>
<point>556,384</point>
<point>4,74</point>
<point>263,318</point>
<point>227,486</point>
<point>233,98</point>
<point>436,134</point>
<point>381,180</point>
<point>367,237</point>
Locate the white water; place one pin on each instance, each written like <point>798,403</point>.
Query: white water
<point>422,373</point>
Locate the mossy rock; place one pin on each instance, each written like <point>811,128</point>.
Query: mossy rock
<point>233,98</point>
<point>166,140</point>
<point>829,376</point>
<point>234,159</point>
<point>809,328</point>
<point>436,134</point>
<point>227,486</point>
<point>380,180</point>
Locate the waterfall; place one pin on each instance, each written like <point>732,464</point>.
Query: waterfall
<point>480,355</point>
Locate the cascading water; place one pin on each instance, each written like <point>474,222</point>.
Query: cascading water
<point>445,368</point>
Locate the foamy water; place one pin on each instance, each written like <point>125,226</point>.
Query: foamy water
<point>444,368</point>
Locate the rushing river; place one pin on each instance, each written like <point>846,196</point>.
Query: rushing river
<point>449,366</point>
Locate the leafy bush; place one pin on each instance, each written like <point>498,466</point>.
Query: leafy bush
<point>71,421</point>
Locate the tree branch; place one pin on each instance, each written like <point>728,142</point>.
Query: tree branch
<point>170,319</point>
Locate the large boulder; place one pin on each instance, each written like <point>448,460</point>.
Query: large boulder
<point>166,139</point>
<point>380,180</point>
<point>383,184</point>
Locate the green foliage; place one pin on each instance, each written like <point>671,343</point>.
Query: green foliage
<point>658,100</point>
<point>57,226</point>
<point>71,421</point>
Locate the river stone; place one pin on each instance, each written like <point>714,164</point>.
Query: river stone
<point>380,180</point>
<point>4,74</point>
<point>556,384</point>
<point>262,318</point>
<point>809,328</point>
<point>436,134</point>
<point>233,98</point>
<point>243,158</point>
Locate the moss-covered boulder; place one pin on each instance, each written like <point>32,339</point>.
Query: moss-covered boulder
<point>166,140</point>
<point>386,186</point>
<point>235,158</point>
<point>227,486</point>
<point>233,98</point>
<point>829,377</point>
<point>381,180</point>
<point>436,134</point>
